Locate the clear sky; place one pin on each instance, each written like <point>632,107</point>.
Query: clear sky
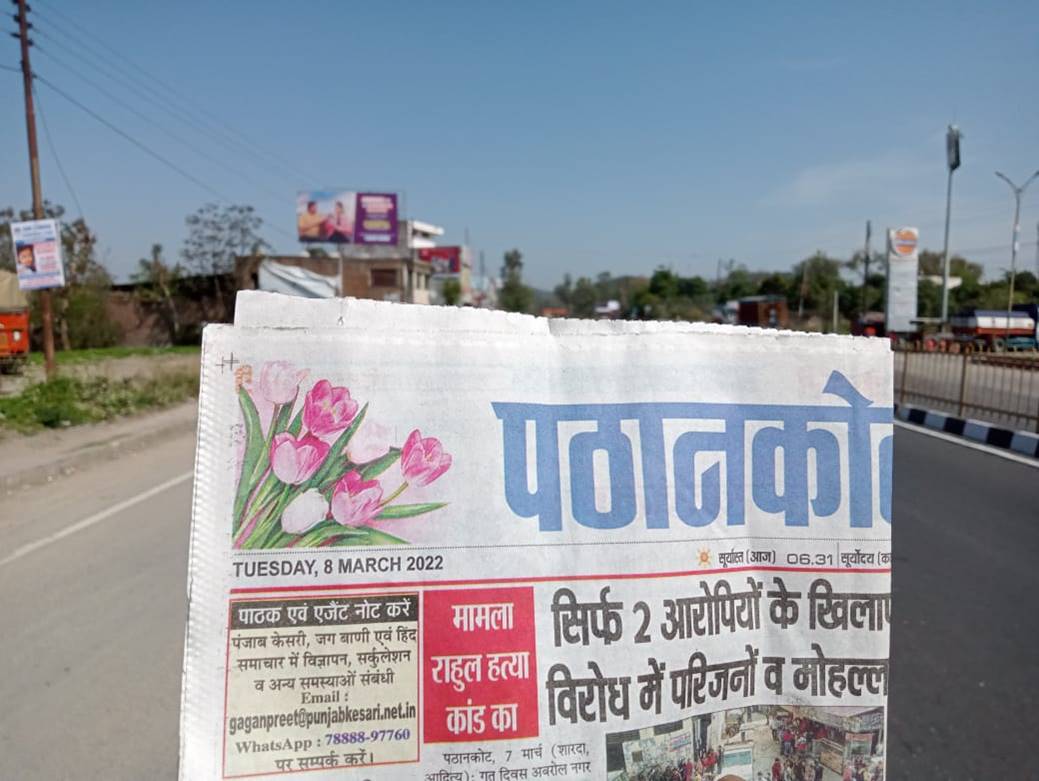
<point>594,136</point>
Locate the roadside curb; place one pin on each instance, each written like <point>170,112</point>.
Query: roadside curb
<point>1023,442</point>
<point>104,450</point>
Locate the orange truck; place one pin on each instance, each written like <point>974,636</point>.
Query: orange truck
<point>14,324</point>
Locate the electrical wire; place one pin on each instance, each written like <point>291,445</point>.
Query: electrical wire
<point>9,68</point>
<point>139,144</point>
<point>54,152</point>
<point>217,127</point>
<point>159,126</point>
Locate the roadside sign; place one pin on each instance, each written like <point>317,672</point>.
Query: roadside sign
<point>37,253</point>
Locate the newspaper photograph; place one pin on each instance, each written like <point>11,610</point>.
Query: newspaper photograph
<point>455,547</point>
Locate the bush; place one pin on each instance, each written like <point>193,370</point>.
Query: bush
<point>68,401</point>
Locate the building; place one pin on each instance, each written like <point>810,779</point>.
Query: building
<point>383,273</point>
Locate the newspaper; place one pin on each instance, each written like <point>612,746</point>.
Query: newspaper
<point>436,544</point>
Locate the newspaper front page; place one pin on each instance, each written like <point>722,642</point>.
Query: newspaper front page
<point>467,547</point>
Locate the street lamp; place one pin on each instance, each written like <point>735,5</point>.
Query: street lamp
<point>1018,192</point>
<point>952,158</point>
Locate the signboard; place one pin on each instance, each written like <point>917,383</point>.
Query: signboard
<point>445,543</point>
<point>37,252</point>
<point>444,260</point>
<point>902,272</point>
<point>346,217</point>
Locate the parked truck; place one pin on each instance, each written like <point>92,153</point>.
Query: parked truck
<point>998,330</point>
<point>14,324</point>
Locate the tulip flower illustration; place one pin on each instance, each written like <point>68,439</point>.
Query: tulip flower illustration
<point>279,381</point>
<point>304,512</point>
<point>309,474</point>
<point>356,501</point>
<point>328,409</point>
<point>295,461</point>
<point>423,460</point>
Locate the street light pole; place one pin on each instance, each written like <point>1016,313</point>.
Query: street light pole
<point>1018,192</point>
<point>952,156</point>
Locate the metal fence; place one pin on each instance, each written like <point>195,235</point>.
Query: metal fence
<point>1001,388</point>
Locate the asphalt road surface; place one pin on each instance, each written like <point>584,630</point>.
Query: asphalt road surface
<point>92,611</point>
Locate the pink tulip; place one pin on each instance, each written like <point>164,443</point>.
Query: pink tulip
<point>328,409</point>
<point>423,460</point>
<point>295,461</point>
<point>279,381</point>
<point>356,501</point>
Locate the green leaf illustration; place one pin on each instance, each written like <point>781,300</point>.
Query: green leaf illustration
<point>409,510</point>
<point>377,466</point>
<point>254,452</point>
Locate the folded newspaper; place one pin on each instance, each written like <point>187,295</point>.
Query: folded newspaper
<point>448,544</point>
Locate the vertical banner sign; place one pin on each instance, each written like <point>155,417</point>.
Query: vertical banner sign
<point>596,551</point>
<point>37,254</point>
<point>902,270</point>
<point>377,218</point>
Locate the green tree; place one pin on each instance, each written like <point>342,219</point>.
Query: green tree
<point>451,291</point>
<point>158,284</point>
<point>584,298</point>
<point>514,296</point>
<point>564,290</point>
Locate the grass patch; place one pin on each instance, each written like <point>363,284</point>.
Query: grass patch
<point>68,401</point>
<point>92,354</point>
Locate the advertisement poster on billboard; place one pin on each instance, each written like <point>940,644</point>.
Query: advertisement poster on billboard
<point>376,218</point>
<point>445,261</point>
<point>37,252</point>
<point>902,269</point>
<point>414,557</point>
<point>346,217</point>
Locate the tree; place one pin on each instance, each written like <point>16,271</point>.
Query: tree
<point>216,236</point>
<point>158,284</point>
<point>514,295</point>
<point>451,291</point>
<point>565,290</point>
<point>80,315</point>
<point>584,298</point>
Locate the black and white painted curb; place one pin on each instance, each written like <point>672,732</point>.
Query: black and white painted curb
<point>1022,442</point>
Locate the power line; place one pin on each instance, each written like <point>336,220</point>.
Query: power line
<point>143,147</point>
<point>132,69</point>
<point>158,125</point>
<point>9,68</point>
<point>54,152</point>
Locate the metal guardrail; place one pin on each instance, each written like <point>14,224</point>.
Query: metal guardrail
<point>1001,388</point>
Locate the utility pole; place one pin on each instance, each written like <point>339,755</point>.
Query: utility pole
<point>34,172</point>
<point>865,269</point>
<point>1018,192</point>
<point>952,156</point>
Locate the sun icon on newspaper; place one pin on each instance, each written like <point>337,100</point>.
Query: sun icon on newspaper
<point>704,558</point>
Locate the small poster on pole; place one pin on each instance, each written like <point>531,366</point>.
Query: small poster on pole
<point>37,253</point>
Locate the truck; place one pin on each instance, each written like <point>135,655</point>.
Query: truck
<point>998,330</point>
<point>14,324</point>
<point>763,311</point>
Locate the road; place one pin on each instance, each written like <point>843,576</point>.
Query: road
<point>94,620</point>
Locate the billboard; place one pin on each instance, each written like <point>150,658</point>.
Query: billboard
<point>902,269</point>
<point>346,217</point>
<point>37,252</point>
<point>444,260</point>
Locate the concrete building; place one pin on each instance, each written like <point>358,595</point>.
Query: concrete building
<point>379,272</point>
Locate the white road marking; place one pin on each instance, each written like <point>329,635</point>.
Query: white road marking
<point>1010,455</point>
<point>95,519</point>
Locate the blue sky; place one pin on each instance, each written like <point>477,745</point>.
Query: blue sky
<point>594,136</point>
